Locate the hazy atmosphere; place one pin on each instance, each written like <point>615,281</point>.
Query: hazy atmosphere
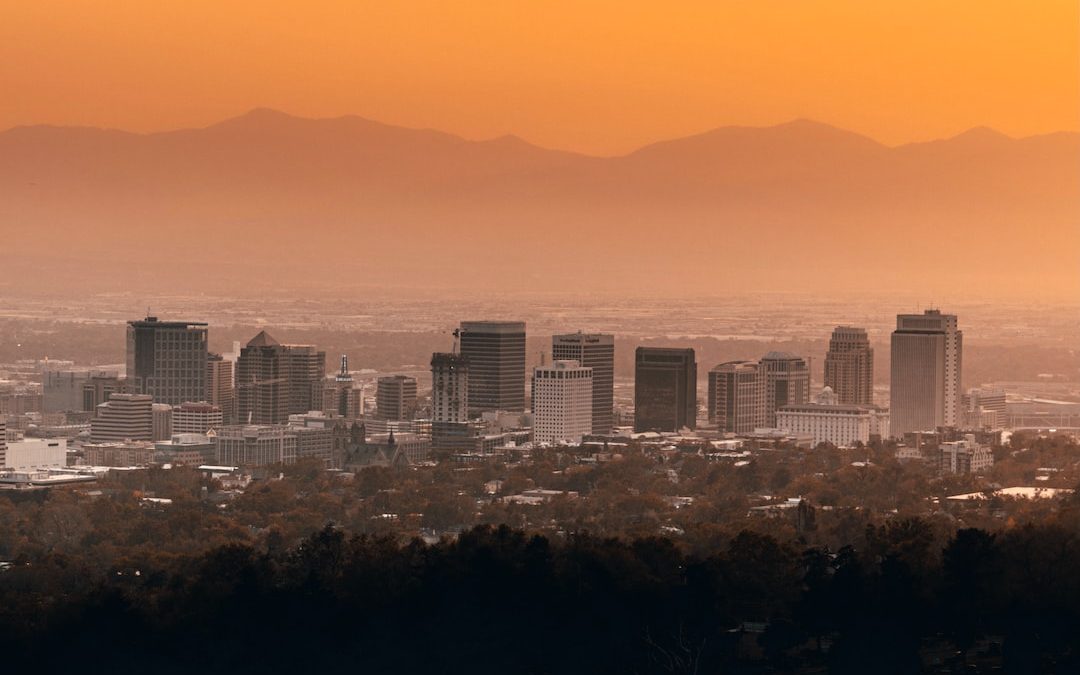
<point>540,337</point>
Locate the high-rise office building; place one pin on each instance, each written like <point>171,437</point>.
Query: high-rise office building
<point>274,380</point>
<point>787,382</point>
<point>737,397</point>
<point>3,441</point>
<point>450,428</point>
<point>665,389</point>
<point>562,401</point>
<point>167,360</point>
<point>596,351</point>
<point>395,397</point>
<point>220,388</point>
<point>924,389</point>
<point>449,388</point>
<point>849,366</point>
<point>495,351</point>
<point>124,417</point>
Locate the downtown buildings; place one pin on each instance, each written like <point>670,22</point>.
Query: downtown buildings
<point>736,402</point>
<point>596,351</point>
<point>562,397</point>
<point>665,389</point>
<point>746,395</point>
<point>167,360</point>
<point>827,420</point>
<point>495,351</point>
<point>395,397</point>
<point>274,380</point>
<point>849,366</point>
<point>925,392</point>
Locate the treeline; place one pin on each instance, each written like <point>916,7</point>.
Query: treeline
<point>497,600</point>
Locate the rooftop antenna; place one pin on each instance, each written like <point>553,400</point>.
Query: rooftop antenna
<point>542,354</point>
<point>456,334</point>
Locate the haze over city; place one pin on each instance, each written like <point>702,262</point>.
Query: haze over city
<point>591,337</point>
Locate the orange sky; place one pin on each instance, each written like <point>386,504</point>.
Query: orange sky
<point>600,77</point>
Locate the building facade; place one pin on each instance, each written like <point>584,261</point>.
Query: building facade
<point>196,418</point>
<point>596,351</point>
<point>787,382</point>
<point>562,400</point>
<point>829,421</point>
<point>965,456</point>
<point>450,426</point>
<point>274,380</point>
<point>254,445</point>
<point>124,417</point>
<point>737,397</point>
<point>167,360</point>
<point>924,388</point>
<point>665,389</point>
<point>495,351</point>
<point>849,366</point>
<point>395,397</point>
<point>221,390</point>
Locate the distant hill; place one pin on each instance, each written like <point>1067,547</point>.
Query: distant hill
<point>271,199</point>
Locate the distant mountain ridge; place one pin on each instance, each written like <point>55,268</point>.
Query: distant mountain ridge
<point>268,195</point>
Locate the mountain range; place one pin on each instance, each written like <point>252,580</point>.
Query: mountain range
<point>268,200</point>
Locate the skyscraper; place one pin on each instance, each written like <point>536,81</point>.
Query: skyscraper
<point>924,388</point>
<point>737,396</point>
<point>167,360</point>
<point>274,380</point>
<point>220,389</point>
<point>450,429</point>
<point>596,351</point>
<point>495,351</point>
<point>395,397</point>
<point>665,389</point>
<point>849,366</point>
<point>562,398</point>
<point>787,382</point>
<point>449,388</point>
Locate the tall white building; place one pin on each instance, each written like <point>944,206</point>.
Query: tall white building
<point>926,364</point>
<point>596,351</point>
<point>562,402</point>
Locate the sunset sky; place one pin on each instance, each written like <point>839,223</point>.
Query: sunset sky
<point>598,77</point>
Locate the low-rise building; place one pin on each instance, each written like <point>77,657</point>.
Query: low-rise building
<point>34,453</point>
<point>965,456</point>
<point>830,422</point>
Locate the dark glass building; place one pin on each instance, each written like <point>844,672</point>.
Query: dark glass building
<point>495,352</point>
<point>167,360</point>
<point>665,389</point>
